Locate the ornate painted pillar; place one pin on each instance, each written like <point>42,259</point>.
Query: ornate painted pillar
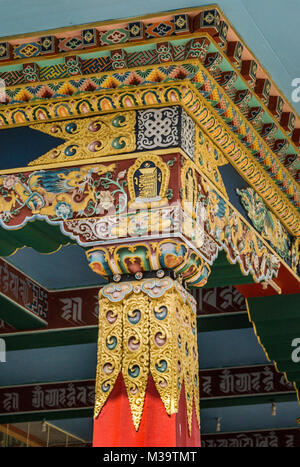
<point>152,210</point>
<point>147,387</point>
<point>154,157</point>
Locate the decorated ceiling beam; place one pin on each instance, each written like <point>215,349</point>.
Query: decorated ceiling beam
<point>258,138</point>
<point>272,438</point>
<point>59,309</point>
<point>281,197</point>
<point>13,436</point>
<point>218,300</point>
<point>70,399</point>
<point>215,62</point>
<point>31,300</point>
<point>17,203</point>
<point>85,334</point>
<point>72,315</point>
<point>67,398</point>
<point>180,24</point>
<point>243,385</point>
<point>79,306</point>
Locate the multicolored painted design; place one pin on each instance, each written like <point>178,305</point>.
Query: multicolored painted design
<point>150,255</point>
<point>159,29</point>
<point>59,309</point>
<point>49,45</point>
<point>53,72</point>
<point>182,23</point>
<point>255,145</point>
<point>113,80</point>
<point>31,72</point>
<point>89,138</point>
<point>73,65</point>
<point>96,203</point>
<point>242,161</point>
<point>241,246</point>
<point>136,30</point>
<point>266,222</point>
<point>148,327</point>
<point>58,194</point>
<point>255,115</point>
<point>79,307</point>
<point>28,50</point>
<point>70,44</point>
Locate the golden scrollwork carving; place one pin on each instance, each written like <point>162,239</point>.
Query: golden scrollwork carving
<point>90,137</point>
<point>165,364</point>
<point>209,158</point>
<point>109,350</point>
<point>189,188</point>
<point>135,361</point>
<point>148,327</point>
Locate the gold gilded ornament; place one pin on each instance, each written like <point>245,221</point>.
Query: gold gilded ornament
<point>148,327</point>
<point>189,189</point>
<point>165,365</point>
<point>90,137</point>
<point>209,158</point>
<point>109,350</point>
<point>135,363</point>
<point>148,181</point>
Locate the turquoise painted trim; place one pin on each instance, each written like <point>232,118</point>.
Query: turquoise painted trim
<point>262,24</point>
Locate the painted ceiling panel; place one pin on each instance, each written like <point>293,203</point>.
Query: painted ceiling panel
<point>238,347</point>
<point>56,271</point>
<point>21,145</point>
<point>286,33</point>
<point>250,417</point>
<point>68,363</point>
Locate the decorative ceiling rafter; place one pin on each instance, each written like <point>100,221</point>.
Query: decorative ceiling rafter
<point>181,23</point>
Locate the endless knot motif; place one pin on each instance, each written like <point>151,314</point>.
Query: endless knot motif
<point>158,128</point>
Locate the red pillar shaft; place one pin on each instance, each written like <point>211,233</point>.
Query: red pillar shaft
<point>114,426</point>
